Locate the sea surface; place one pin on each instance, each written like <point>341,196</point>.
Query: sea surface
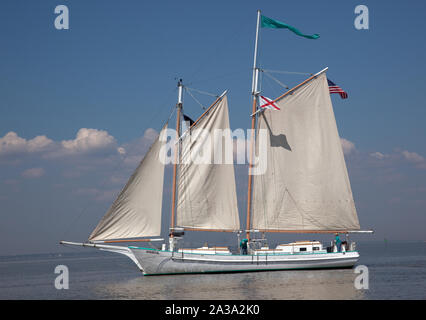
<point>395,271</point>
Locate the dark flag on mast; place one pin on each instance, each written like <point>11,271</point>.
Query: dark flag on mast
<point>188,120</point>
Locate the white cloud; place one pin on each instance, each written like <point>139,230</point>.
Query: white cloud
<point>11,143</point>
<point>88,140</point>
<point>379,155</point>
<point>412,156</point>
<point>395,158</point>
<point>33,173</point>
<point>416,159</point>
<point>134,151</point>
<point>150,134</point>
<point>121,150</point>
<point>39,143</point>
<point>348,146</point>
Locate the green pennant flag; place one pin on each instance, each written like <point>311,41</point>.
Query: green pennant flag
<point>274,24</point>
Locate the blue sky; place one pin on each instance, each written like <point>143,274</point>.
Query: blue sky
<point>70,98</point>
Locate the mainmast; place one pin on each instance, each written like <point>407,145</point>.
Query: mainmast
<point>177,144</point>
<point>255,94</point>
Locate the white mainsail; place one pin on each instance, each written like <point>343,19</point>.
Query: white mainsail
<point>306,184</point>
<point>207,196</point>
<point>137,210</point>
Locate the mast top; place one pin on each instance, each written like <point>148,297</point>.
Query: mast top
<point>180,87</point>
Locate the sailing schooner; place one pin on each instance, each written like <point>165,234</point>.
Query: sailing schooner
<point>303,188</point>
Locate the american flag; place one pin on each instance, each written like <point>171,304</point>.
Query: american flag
<point>336,89</point>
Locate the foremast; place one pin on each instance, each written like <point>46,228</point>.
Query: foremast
<point>175,164</point>
<point>178,129</point>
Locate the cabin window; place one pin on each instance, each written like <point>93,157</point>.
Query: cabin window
<point>316,248</point>
<point>302,249</point>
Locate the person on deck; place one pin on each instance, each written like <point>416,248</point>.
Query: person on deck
<point>243,246</point>
<point>338,243</point>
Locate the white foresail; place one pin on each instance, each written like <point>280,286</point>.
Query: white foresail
<point>306,184</point>
<point>206,187</point>
<point>137,210</point>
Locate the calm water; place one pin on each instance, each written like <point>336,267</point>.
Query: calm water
<point>396,271</point>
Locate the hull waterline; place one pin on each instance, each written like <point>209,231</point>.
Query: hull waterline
<point>157,262</point>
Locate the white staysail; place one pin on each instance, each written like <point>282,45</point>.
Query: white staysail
<point>137,210</point>
<point>207,196</point>
<point>306,184</point>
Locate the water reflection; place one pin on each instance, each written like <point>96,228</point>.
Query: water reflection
<point>396,271</point>
<point>318,284</point>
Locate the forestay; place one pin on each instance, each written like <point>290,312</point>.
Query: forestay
<point>137,210</point>
<point>306,184</point>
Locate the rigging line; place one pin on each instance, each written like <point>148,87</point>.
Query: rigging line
<point>173,107</point>
<point>172,112</point>
<point>271,86</point>
<point>214,104</point>
<point>276,80</point>
<point>195,99</point>
<point>286,72</point>
<point>202,92</point>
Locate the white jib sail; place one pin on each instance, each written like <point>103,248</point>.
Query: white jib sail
<point>306,184</point>
<point>207,196</point>
<point>137,210</point>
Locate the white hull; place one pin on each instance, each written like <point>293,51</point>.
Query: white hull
<point>158,262</point>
